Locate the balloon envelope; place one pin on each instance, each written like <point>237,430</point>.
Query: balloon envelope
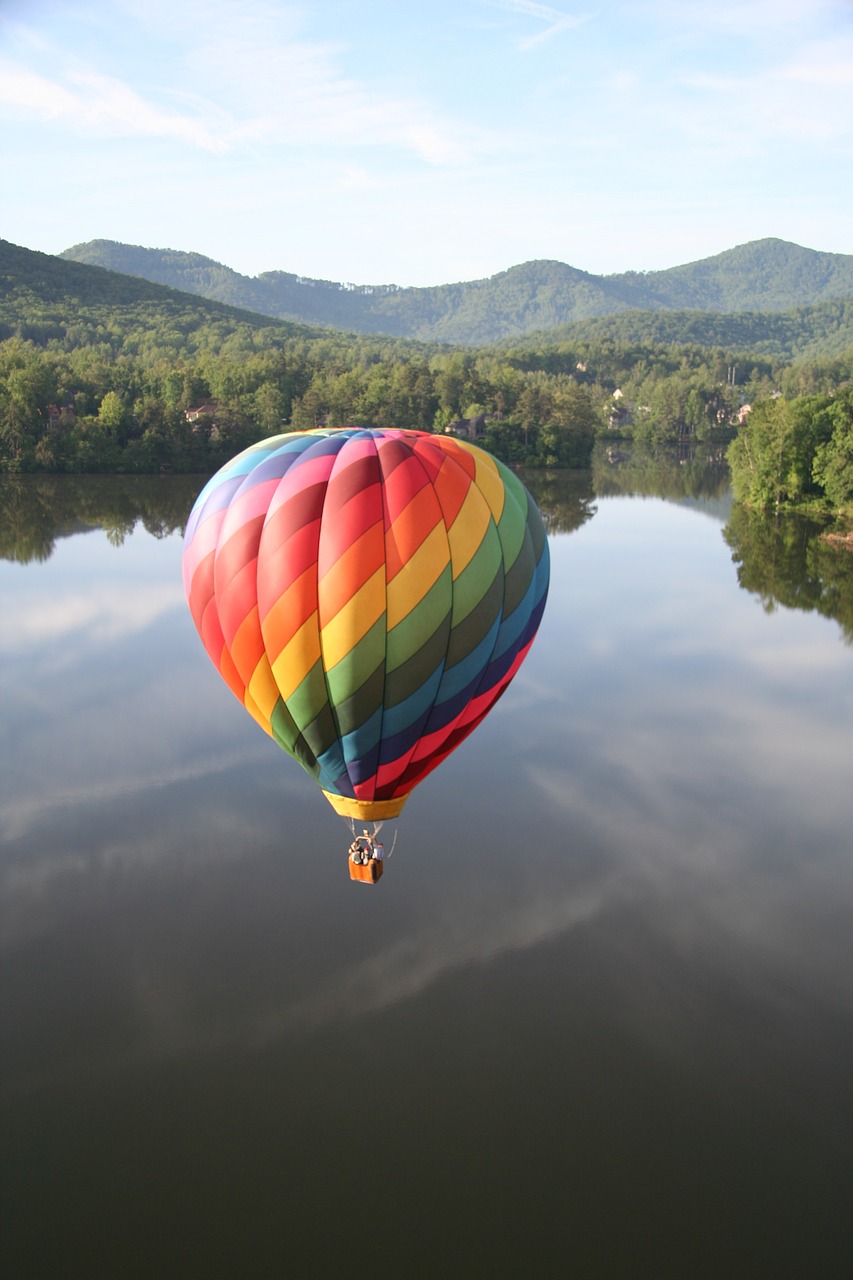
<point>368,595</point>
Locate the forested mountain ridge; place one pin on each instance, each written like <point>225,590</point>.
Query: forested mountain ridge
<point>100,371</point>
<point>769,275</point>
<point>803,332</point>
<point>35,285</point>
<point>38,291</point>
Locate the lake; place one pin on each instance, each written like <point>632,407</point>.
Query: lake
<point>597,1017</point>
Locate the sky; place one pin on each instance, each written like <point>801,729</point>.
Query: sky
<point>427,141</point>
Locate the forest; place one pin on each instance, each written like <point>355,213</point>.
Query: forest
<point>101,372</point>
<point>768,296</point>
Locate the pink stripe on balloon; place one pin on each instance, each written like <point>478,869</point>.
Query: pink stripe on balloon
<point>301,476</point>
<point>253,502</point>
<point>202,545</point>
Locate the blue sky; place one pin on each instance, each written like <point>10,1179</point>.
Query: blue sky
<point>377,141</point>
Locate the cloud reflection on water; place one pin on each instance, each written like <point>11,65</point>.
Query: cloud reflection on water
<point>657,784</point>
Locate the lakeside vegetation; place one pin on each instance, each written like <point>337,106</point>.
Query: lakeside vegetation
<point>784,560</point>
<point>796,453</point>
<point>103,373</point>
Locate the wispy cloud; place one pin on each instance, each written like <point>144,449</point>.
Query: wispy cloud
<point>274,88</point>
<point>808,98</point>
<point>554,19</point>
<point>104,615</point>
<point>89,101</point>
<point>295,91</point>
<point>405,969</point>
<point>757,19</point>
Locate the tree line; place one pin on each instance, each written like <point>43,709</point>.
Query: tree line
<point>796,453</point>
<point>171,384</point>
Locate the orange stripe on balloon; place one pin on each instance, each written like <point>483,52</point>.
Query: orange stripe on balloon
<point>344,525</point>
<point>452,484</point>
<point>297,657</point>
<point>341,633</point>
<point>280,565</point>
<point>351,571</point>
<point>247,645</point>
<point>263,688</point>
<point>410,529</point>
<point>289,613</point>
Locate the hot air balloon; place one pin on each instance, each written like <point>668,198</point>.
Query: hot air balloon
<point>367,594</point>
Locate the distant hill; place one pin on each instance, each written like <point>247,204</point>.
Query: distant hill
<point>41,293</point>
<point>40,290</point>
<point>763,276</point>
<point>802,332</point>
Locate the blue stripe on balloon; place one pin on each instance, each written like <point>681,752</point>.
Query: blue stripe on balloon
<point>399,718</point>
<point>332,768</point>
<point>395,746</point>
<point>514,624</point>
<point>465,672</point>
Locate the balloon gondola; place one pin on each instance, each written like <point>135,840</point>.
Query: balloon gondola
<point>368,595</point>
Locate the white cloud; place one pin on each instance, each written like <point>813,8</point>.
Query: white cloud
<point>555,20</point>
<point>89,101</point>
<point>105,615</point>
<point>763,19</point>
<point>410,966</point>
<point>827,66</point>
<point>20,815</point>
<point>272,88</point>
<point>294,92</point>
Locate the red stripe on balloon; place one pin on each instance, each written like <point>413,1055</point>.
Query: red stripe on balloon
<point>411,527</point>
<point>286,615</point>
<point>280,564</point>
<point>292,512</point>
<point>214,643</point>
<point>235,576</point>
<point>201,589</point>
<point>404,482</point>
<point>353,501</point>
<point>351,570</point>
<point>356,469</point>
<point>398,777</point>
<point>344,525</point>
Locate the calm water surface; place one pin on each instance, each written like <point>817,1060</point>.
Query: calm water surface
<point>596,1020</point>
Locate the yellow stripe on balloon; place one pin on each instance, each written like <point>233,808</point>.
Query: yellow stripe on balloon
<point>297,657</point>
<point>263,688</point>
<point>487,479</point>
<point>468,530</point>
<point>343,632</point>
<point>257,714</point>
<point>418,575</point>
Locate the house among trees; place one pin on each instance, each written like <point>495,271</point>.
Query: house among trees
<point>60,415</point>
<point>467,428</point>
<point>208,409</point>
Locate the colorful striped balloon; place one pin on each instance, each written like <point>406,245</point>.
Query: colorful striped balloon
<point>368,595</point>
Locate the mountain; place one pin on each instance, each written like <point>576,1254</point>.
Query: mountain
<point>41,295</point>
<point>40,292</point>
<point>763,276</point>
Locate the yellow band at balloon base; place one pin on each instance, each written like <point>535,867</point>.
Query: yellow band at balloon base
<point>366,810</point>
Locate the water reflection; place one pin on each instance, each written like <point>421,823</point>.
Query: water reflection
<point>692,469</point>
<point>786,560</point>
<point>596,1017</point>
<point>566,499</point>
<point>36,511</point>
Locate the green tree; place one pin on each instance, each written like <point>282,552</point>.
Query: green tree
<point>111,415</point>
<point>833,461</point>
<point>772,456</point>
